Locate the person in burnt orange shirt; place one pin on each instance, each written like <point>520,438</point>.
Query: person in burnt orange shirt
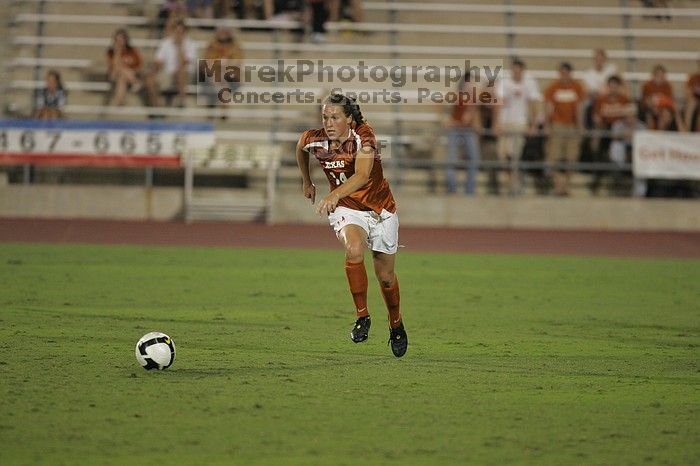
<point>359,206</point>
<point>657,87</point>
<point>564,121</point>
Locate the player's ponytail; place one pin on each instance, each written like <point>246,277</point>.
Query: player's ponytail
<point>350,107</point>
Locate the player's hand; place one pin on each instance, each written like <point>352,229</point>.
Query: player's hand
<point>327,205</point>
<point>310,192</point>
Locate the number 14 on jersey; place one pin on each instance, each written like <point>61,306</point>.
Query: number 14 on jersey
<point>339,178</point>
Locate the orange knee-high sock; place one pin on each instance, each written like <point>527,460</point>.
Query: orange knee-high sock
<point>392,299</point>
<point>357,278</point>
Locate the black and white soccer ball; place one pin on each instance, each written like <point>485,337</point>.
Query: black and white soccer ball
<point>155,350</point>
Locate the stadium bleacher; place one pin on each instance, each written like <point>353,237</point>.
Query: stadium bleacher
<point>73,36</point>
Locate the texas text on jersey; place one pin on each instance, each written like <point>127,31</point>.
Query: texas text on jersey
<point>339,165</point>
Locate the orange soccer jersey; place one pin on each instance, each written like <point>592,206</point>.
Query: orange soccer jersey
<point>339,165</point>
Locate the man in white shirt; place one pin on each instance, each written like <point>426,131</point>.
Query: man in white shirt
<point>174,66</point>
<point>516,117</point>
<point>595,79</point>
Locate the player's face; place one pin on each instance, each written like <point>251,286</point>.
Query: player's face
<point>336,124</point>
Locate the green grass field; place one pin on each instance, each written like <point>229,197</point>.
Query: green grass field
<point>513,359</point>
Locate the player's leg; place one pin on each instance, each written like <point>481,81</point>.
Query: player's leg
<point>384,243</point>
<point>389,284</point>
<point>354,238</point>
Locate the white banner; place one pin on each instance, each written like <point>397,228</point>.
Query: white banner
<point>106,143</point>
<point>664,154</point>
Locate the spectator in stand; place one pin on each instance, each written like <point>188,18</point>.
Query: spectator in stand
<point>692,102</point>
<point>610,107</point>
<point>223,46</point>
<point>657,87</point>
<point>595,79</point>
<point>174,66</point>
<point>463,129</point>
<point>563,122</point>
<point>124,64</point>
<point>516,117</point>
<point>169,13</point>
<point>52,98</point>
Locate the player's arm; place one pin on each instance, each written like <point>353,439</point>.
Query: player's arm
<point>308,186</point>
<point>364,161</point>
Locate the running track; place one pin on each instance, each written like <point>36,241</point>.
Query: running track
<point>579,243</point>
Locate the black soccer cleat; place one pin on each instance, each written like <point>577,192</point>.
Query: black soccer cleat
<point>398,340</point>
<point>360,331</point>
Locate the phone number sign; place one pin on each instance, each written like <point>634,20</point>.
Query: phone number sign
<point>100,143</point>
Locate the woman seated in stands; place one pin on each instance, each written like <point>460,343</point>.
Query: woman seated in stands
<point>124,64</point>
<point>223,46</point>
<point>51,99</point>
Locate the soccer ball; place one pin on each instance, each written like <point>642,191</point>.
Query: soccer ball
<point>155,350</point>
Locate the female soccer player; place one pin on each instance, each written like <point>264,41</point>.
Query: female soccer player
<point>360,207</point>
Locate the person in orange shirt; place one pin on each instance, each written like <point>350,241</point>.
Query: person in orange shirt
<point>124,64</point>
<point>463,130</point>
<point>223,46</point>
<point>692,102</point>
<point>611,106</point>
<point>564,120</point>
<point>360,207</point>
<point>655,88</point>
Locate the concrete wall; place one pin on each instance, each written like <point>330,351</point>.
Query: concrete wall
<point>110,202</point>
<point>138,203</point>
